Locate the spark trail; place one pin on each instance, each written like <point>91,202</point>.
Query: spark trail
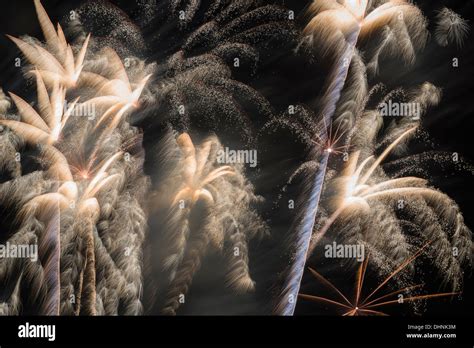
<point>304,232</point>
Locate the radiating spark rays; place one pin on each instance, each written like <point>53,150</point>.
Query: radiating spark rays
<point>329,285</point>
<point>360,304</point>
<point>331,140</point>
<point>356,183</point>
<point>360,280</point>
<point>42,202</point>
<point>396,271</point>
<point>393,293</point>
<point>394,183</point>
<point>415,298</point>
<point>121,104</point>
<point>121,95</point>
<point>323,299</point>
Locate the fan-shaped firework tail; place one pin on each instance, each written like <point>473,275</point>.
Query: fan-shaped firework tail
<point>115,169</point>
